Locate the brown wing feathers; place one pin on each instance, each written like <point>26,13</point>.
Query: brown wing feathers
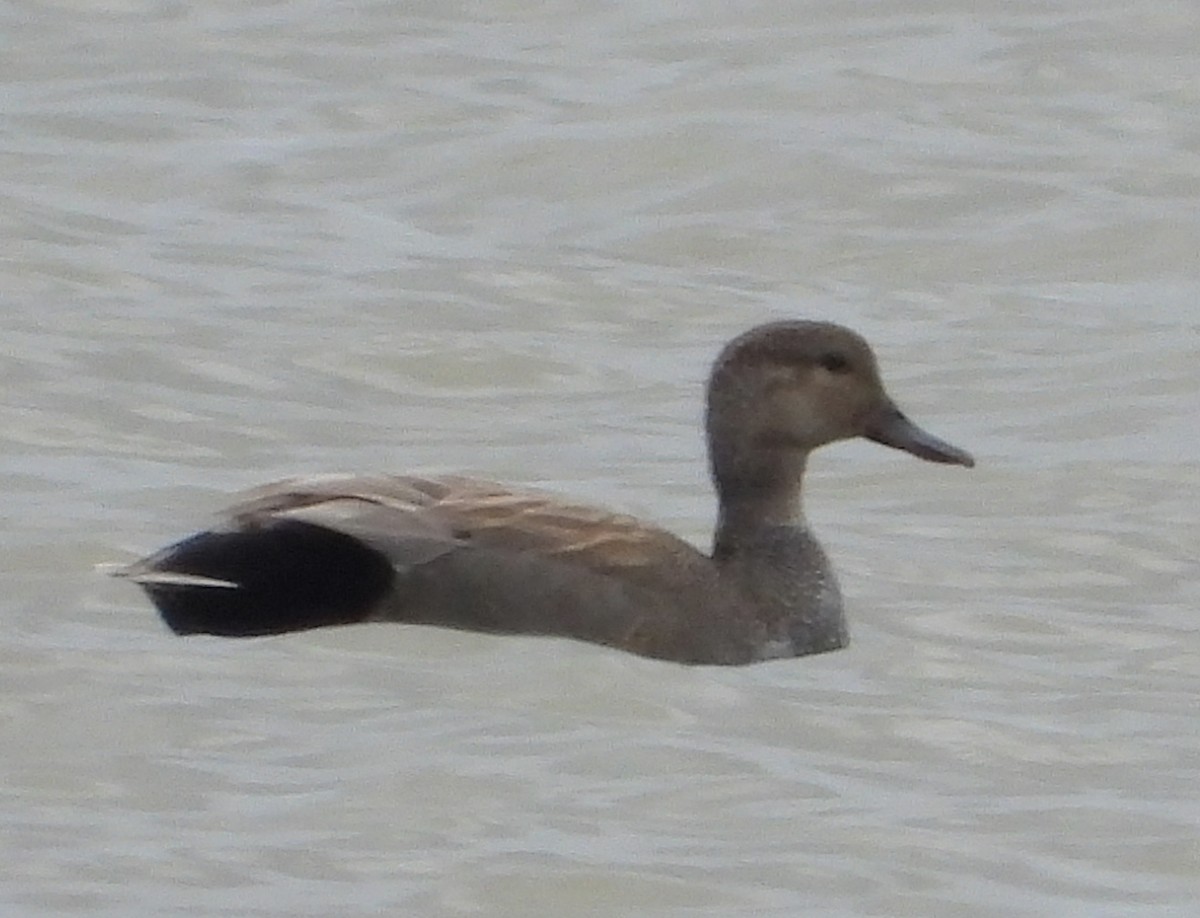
<point>311,552</point>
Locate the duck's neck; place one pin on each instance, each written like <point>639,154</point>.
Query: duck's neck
<point>756,498</point>
<point>763,545</point>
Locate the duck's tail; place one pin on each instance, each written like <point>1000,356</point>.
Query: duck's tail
<point>285,576</point>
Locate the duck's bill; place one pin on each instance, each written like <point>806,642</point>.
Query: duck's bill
<point>891,428</point>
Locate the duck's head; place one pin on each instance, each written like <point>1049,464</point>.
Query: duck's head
<point>781,390</point>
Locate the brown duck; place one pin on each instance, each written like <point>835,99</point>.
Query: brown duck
<point>462,553</point>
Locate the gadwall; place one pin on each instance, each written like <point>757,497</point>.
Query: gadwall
<point>468,554</point>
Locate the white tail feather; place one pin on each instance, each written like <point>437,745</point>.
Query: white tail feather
<point>164,578</point>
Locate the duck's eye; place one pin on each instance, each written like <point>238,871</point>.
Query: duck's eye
<point>834,362</point>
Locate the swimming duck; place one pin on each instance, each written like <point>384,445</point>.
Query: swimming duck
<point>475,555</point>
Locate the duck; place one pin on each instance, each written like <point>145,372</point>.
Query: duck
<point>475,555</point>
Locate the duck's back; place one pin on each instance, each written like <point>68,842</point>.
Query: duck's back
<point>454,552</point>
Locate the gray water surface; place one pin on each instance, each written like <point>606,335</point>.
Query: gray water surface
<point>245,240</point>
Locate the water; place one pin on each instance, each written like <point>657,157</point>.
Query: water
<point>244,240</point>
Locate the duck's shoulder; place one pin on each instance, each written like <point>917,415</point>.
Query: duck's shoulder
<point>560,527</point>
